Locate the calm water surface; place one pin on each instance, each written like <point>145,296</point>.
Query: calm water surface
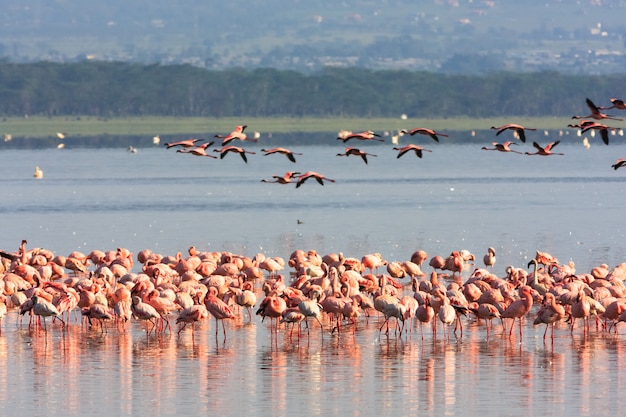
<point>457,197</point>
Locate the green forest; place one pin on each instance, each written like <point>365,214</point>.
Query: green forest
<point>115,89</point>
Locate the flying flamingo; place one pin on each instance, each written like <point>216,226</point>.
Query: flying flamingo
<point>519,129</point>
<point>356,152</point>
<point>518,309</point>
<point>237,134</point>
<point>617,104</point>
<point>367,135</point>
<point>311,174</point>
<point>546,150</point>
<point>218,309</point>
<point>198,150</point>
<point>595,113</point>
<point>289,154</point>
<point>619,163</point>
<point>602,128</point>
<point>285,179</point>
<point>424,131</point>
<point>502,147</point>
<point>226,149</point>
<point>411,147</point>
<point>187,143</point>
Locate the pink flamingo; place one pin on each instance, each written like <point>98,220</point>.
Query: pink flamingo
<point>549,314</point>
<point>187,143</point>
<point>235,149</point>
<point>619,163</point>
<point>198,150</point>
<point>356,152</point>
<point>595,113</point>
<point>218,309</point>
<point>289,154</point>
<point>367,135</point>
<point>311,174</point>
<point>546,150</point>
<point>237,134</point>
<point>519,129</point>
<point>411,147</point>
<point>285,179</point>
<point>424,131</point>
<point>617,104</point>
<point>518,309</point>
<point>501,147</point>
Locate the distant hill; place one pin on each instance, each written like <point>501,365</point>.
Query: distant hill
<point>471,36</point>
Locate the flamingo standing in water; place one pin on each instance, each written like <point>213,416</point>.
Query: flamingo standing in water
<point>218,309</point>
<point>518,309</point>
<point>519,129</point>
<point>235,149</point>
<point>237,134</point>
<point>546,150</point>
<point>550,313</point>
<point>289,154</point>
<point>424,131</point>
<point>356,152</point>
<point>411,147</point>
<point>311,174</point>
<point>595,113</point>
<point>502,147</point>
<point>367,135</point>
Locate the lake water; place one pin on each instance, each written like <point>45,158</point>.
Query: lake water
<point>457,197</point>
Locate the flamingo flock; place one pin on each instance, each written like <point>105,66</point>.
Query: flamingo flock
<point>335,292</point>
<point>588,123</point>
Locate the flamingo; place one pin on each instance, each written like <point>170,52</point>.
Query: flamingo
<point>546,150</point>
<point>550,313</point>
<point>490,258</point>
<point>294,316</point>
<point>518,309</point>
<point>289,154</point>
<point>236,149</point>
<point>581,309</point>
<point>218,309</point>
<point>311,174</point>
<point>502,147</point>
<point>519,129</point>
<point>595,113</point>
<point>44,308</point>
<point>424,131</point>
<point>285,179</point>
<point>356,152</point>
<point>411,147</point>
<point>272,306</point>
<point>311,308</point>
<point>447,314</point>
<point>191,314</point>
<point>144,311</point>
<point>187,143</point>
<point>198,150</point>
<point>602,128</point>
<point>237,134</point>
<point>617,104</point>
<point>487,312</point>
<point>246,298</point>
<point>619,163</point>
<point>367,135</point>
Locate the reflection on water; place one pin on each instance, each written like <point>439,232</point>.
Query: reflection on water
<point>81,371</point>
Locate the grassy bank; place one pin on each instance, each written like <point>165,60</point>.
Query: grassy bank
<point>44,127</point>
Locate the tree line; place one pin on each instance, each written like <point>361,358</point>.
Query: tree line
<point>114,89</point>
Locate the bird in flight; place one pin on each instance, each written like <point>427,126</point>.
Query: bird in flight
<point>502,147</point>
<point>367,135</point>
<point>289,154</point>
<point>285,179</point>
<point>411,147</point>
<point>546,150</point>
<point>311,174</point>
<point>424,131</point>
<point>617,104</point>
<point>619,163</point>
<point>595,113</point>
<point>519,129</point>
<point>237,134</point>
<point>235,149</point>
<point>356,152</point>
<point>187,143</point>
